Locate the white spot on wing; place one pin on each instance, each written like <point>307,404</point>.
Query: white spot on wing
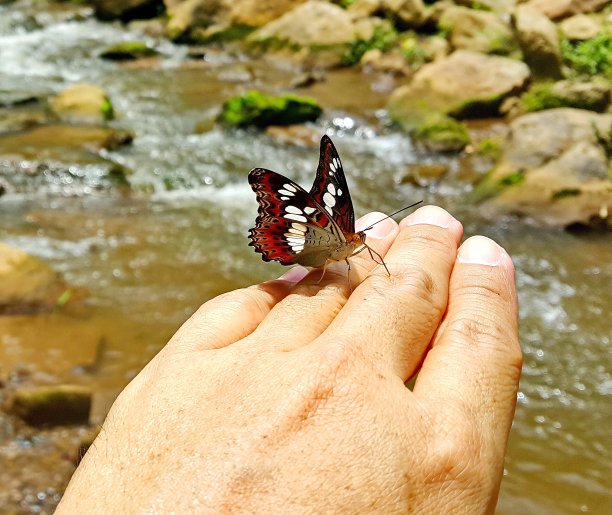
<point>331,188</point>
<point>339,192</point>
<point>285,192</point>
<point>309,210</point>
<point>297,248</point>
<point>284,198</point>
<point>329,210</point>
<point>293,209</point>
<point>329,199</point>
<point>290,187</point>
<point>297,218</point>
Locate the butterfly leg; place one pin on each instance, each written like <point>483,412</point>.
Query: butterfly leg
<point>322,274</point>
<point>348,275</point>
<point>382,261</point>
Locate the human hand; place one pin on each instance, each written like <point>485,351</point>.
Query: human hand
<point>289,396</point>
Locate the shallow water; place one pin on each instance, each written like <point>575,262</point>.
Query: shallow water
<point>138,254</point>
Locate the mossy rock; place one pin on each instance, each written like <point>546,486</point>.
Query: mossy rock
<point>441,134</point>
<point>128,51</point>
<point>82,103</point>
<point>593,96</point>
<point>52,405</point>
<point>258,109</point>
<point>492,185</point>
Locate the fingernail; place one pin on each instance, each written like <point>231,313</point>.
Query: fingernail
<point>432,215</point>
<point>479,250</point>
<point>295,275</point>
<point>381,230</point>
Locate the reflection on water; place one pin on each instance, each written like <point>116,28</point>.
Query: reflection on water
<point>149,261</point>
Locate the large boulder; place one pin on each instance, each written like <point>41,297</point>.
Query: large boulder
<point>539,42</point>
<point>82,103</point>
<point>127,10</point>
<point>554,170</point>
<point>189,15</point>
<point>479,31</point>
<point>26,283</point>
<point>465,84</point>
<point>314,23</point>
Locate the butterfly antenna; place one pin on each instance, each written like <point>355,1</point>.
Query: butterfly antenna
<point>393,214</point>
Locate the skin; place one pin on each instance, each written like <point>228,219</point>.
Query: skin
<point>289,396</point>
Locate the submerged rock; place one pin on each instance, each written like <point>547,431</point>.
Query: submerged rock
<point>261,110</point>
<point>554,170</point>
<point>464,85</point>
<point>128,51</point>
<point>82,103</point>
<point>52,405</point>
<point>27,284</point>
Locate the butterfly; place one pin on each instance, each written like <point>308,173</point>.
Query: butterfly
<point>294,226</point>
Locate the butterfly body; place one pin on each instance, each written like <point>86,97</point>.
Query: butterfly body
<point>294,226</point>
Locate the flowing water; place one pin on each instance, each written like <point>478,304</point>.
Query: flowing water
<point>149,258</point>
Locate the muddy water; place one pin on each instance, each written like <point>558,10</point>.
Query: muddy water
<point>150,258</point>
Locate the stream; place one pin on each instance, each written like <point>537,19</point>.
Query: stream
<point>147,258</point>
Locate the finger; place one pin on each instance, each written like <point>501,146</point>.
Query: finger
<point>314,302</point>
<point>474,365</point>
<point>232,316</point>
<point>391,320</point>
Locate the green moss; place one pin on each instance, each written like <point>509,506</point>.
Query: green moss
<point>491,186</point>
<point>591,57</point>
<point>543,96</point>
<point>128,50</point>
<point>512,179</point>
<point>570,192</point>
<point>383,38</point>
<point>413,52</point>
<point>107,109</point>
<point>61,404</point>
<point>489,147</point>
<point>442,134</point>
<point>261,110</point>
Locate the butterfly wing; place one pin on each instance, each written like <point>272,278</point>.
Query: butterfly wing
<point>291,226</point>
<point>330,189</point>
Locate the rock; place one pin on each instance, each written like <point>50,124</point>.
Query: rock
<point>191,14</point>
<point>539,42</point>
<point>556,9</point>
<point>425,174</point>
<point>497,6</point>
<point>27,284</point>
<point>261,110</point>
<point>314,23</point>
<point>594,96</point>
<point>126,10</point>
<point>22,118</point>
<point>393,63</point>
<point>464,84</point>
<point>441,134</point>
<point>127,51</point>
<point>554,170</point>
<point>580,27</point>
<point>255,13</point>
<point>296,135</point>
<point>410,13</point>
<point>52,405</point>
<point>82,103</point>
<point>479,31</point>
